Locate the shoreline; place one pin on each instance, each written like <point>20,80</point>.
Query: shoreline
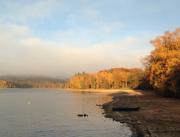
<point>157,117</point>
<point>108,91</point>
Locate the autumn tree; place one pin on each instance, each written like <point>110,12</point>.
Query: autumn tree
<point>107,79</point>
<point>6,84</point>
<point>163,64</point>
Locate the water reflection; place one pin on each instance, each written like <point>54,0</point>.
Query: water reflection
<point>54,114</point>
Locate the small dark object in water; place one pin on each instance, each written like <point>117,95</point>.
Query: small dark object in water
<point>82,115</point>
<point>126,109</point>
<point>85,115</point>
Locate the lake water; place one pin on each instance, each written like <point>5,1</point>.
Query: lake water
<point>53,113</point>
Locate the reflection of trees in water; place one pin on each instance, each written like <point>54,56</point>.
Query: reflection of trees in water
<point>103,99</point>
<point>87,101</point>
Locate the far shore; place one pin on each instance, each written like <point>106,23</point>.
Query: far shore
<point>108,91</point>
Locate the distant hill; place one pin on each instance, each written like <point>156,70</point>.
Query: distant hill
<point>113,78</point>
<point>31,82</point>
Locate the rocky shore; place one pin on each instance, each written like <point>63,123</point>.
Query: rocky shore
<point>156,117</point>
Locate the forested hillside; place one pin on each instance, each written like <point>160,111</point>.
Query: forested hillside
<point>31,82</point>
<point>6,84</point>
<point>108,79</point>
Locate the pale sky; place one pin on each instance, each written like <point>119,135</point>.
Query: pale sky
<point>58,38</point>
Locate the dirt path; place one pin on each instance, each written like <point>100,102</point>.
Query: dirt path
<point>157,117</point>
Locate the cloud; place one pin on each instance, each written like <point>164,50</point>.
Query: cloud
<point>11,33</point>
<point>22,11</point>
<point>24,54</point>
<point>14,29</point>
<point>109,27</point>
<point>97,30</point>
<point>80,38</point>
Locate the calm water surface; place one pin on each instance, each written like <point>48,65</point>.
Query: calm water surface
<point>53,113</point>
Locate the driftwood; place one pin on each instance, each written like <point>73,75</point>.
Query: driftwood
<point>99,105</point>
<point>82,115</point>
<point>127,109</point>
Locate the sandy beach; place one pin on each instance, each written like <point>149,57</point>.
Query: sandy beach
<point>157,116</point>
<point>108,91</point>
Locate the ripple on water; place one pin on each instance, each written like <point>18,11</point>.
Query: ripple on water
<point>54,114</point>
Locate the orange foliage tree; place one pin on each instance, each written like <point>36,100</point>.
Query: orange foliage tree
<point>163,64</point>
<point>6,84</point>
<point>107,79</point>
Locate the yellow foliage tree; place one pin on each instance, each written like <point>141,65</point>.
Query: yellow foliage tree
<point>106,79</point>
<point>163,64</point>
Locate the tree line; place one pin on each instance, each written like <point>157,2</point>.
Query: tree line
<point>108,79</point>
<point>31,82</point>
<point>37,84</point>
<point>6,84</point>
